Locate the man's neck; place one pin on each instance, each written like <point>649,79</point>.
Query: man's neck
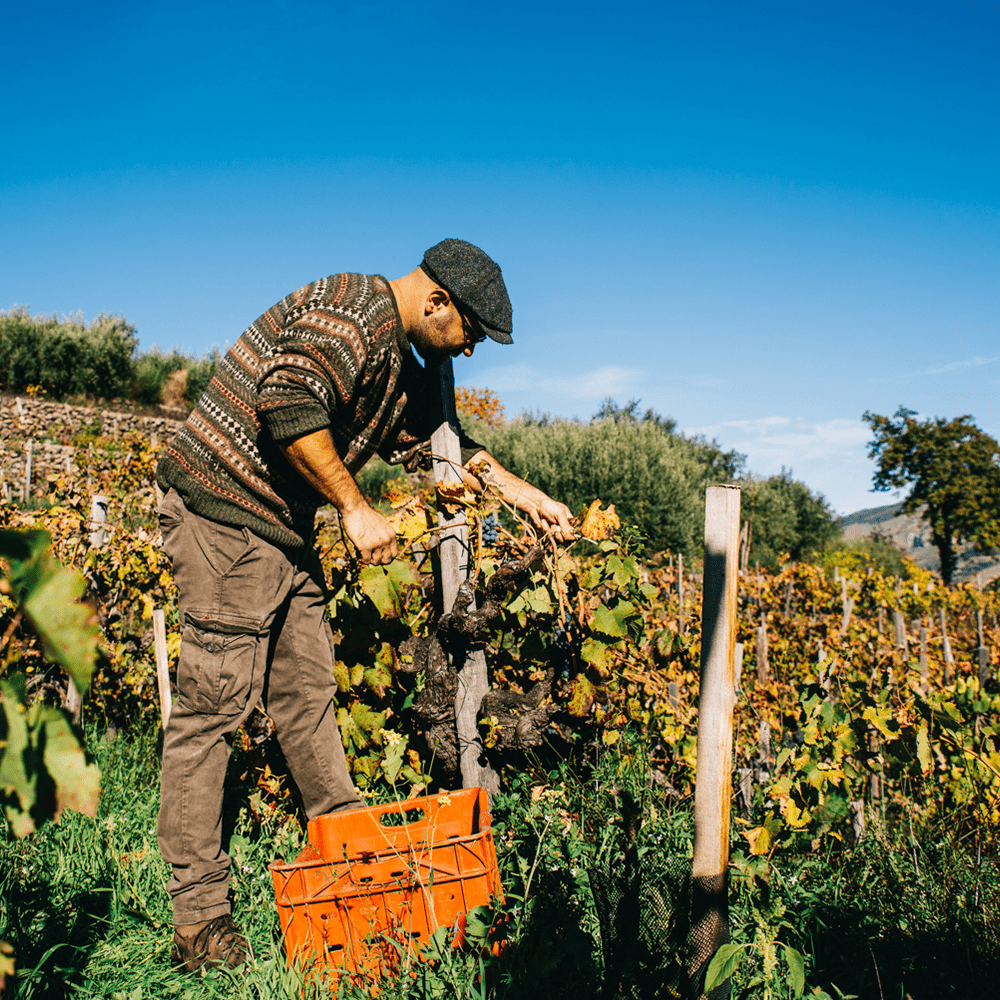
<point>411,293</point>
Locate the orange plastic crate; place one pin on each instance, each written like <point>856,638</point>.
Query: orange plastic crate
<point>376,882</point>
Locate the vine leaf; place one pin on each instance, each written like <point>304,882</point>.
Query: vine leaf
<point>385,586</point>
<point>599,524</point>
<point>43,769</point>
<point>49,594</point>
<point>614,621</point>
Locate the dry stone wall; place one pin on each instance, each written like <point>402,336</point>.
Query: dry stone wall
<point>52,430</point>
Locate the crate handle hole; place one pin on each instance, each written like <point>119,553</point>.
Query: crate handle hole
<point>365,879</point>
<point>398,874</point>
<point>401,817</point>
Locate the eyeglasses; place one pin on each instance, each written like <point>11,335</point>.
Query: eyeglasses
<point>473,332</point>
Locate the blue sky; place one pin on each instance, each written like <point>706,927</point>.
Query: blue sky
<point>761,219</point>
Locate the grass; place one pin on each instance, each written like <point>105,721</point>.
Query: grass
<point>84,904</point>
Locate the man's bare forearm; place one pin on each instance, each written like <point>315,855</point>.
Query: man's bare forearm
<point>544,512</point>
<point>314,457</point>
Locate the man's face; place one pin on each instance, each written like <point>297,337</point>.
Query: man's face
<point>445,330</point>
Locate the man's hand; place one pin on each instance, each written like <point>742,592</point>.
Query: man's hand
<point>547,515</point>
<point>371,534</point>
<point>314,457</point>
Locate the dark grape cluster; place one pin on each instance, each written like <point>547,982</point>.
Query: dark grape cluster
<point>491,529</point>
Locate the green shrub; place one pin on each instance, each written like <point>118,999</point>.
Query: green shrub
<point>875,551</point>
<point>151,373</point>
<point>66,357</point>
<point>653,478</point>
<point>653,475</point>
<point>199,374</point>
<point>786,519</point>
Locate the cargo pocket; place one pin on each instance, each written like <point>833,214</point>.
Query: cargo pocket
<point>216,669</point>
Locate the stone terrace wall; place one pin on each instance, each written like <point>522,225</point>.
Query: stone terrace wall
<point>51,428</point>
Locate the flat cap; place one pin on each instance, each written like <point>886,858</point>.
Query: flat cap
<point>474,280</point>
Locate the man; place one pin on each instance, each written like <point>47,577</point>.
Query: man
<point>321,382</point>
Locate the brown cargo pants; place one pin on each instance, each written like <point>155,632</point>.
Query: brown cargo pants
<point>252,628</point>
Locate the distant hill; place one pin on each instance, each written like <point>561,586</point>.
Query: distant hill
<point>911,534</point>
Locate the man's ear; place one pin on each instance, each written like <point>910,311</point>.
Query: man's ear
<point>437,299</point>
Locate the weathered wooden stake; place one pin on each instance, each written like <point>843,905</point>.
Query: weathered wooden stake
<point>848,606</point>
<point>760,646</point>
<point>28,448</point>
<point>162,666</point>
<point>876,779</point>
<point>858,820</point>
<point>98,518</point>
<point>680,593</point>
<point>456,567</point>
<point>73,699</point>
<point>983,653</point>
<point>737,666</point>
<point>899,630</point>
<point>713,772</point>
<point>949,659</point>
<point>674,696</point>
<point>923,653</point>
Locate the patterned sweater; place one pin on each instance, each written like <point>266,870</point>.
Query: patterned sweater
<point>332,354</point>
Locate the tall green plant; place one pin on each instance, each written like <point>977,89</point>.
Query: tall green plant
<point>66,357</point>
<point>952,469</point>
<point>786,519</point>
<point>652,477</point>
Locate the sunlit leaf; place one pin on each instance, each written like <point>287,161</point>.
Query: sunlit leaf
<point>599,524</point>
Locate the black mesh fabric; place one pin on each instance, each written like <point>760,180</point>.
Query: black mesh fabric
<point>709,930</point>
<point>643,912</point>
<point>659,927</point>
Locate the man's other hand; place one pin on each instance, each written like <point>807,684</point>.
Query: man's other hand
<point>371,534</point>
<point>549,516</point>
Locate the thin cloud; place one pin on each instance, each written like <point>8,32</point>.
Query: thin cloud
<point>958,366</point>
<point>775,441</point>
<point>608,380</point>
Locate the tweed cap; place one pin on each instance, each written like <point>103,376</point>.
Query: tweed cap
<point>475,282</point>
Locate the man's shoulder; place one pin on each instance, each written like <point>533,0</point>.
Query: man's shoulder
<point>353,296</point>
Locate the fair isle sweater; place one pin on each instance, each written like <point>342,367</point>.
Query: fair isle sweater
<point>332,354</point>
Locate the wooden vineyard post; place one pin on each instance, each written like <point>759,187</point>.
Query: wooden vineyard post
<point>760,646</point>
<point>949,659</point>
<point>455,563</point>
<point>899,632</point>
<point>847,604</point>
<point>28,450</point>
<point>982,652</point>
<point>98,518</point>
<point>680,593</point>
<point>162,666</point>
<point>713,771</point>
<point>923,655</point>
